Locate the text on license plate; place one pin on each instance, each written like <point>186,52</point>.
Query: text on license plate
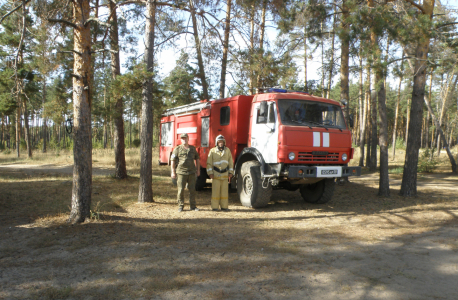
<point>329,172</point>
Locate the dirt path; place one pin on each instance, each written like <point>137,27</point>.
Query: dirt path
<point>51,169</point>
<point>358,246</point>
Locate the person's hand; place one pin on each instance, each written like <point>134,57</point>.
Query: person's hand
<point>230,176</point>
<point>211,176</point>
<point>198,173</point>
<point>174,175</point>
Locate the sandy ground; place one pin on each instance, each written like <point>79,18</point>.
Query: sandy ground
<point>358,246</point>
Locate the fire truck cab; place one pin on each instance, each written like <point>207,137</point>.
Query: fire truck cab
<point>279,139</point>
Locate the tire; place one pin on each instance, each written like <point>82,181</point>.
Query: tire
<point>201,181</point>
<point>249,186</point>
<point>319,192</point>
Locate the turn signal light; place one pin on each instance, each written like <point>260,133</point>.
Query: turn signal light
<point>300,172</point>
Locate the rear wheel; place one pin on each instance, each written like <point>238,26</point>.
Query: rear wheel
<point>319,192</point>
<point>250,187</point>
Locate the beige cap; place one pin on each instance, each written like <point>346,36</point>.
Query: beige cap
<point>184,135</point>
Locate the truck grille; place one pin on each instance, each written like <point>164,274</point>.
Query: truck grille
<point>313,157</point>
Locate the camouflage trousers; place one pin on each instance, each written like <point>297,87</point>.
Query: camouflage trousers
<point>181,183</point>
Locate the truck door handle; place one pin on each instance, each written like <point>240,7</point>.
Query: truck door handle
<point>220,130</point>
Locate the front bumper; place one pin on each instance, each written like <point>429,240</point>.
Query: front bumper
<point>322,171</point>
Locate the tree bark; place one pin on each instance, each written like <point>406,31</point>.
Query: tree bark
<point>251,86</point>
<point>384,185</point>
<point>305,60</point>
<point>45,120</point>
<point>82,102</point>
<point>331,60</point>
<point>362,113</point>
<point>409,178</point>
<point>145,193</point>
<point>261,41</point>
<point>369,116</point>
<point>200,61</point>
<point>227,30</point>
<point>344,59</point>
<point>119,146</point>
<point>398,100</point>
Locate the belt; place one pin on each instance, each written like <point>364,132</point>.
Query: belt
<point>219,170</point>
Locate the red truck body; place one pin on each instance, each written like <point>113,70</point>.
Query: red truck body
<point>296,139</point>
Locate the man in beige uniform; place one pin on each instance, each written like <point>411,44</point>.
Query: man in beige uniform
<point>220,168</point>
<point>183,160</point>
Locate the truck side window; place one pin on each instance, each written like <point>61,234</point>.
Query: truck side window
<point>271,113</point>
<point>260,119</point>
<point>225,115</point>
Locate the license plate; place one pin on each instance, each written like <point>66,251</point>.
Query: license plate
<point>329,172</point>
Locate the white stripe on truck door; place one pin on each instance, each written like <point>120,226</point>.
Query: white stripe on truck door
<point>316,139</point>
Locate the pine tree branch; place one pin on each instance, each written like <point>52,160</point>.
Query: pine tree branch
<point>416,5</point>
<point>64,22</point>
<point>71,51</point>
<point>12,11</point>
<point>96,20</point>
<point>104,50</point>
<point>447,24</point>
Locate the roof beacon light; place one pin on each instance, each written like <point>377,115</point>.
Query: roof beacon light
<point>276,90</point>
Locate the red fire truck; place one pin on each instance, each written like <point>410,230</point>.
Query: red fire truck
<point>279,139</point>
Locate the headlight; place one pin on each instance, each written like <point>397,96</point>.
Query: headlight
<point>291,156</point>
<point>344,156</point>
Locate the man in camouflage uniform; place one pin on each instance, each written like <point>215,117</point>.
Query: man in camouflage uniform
<point>183,161</point>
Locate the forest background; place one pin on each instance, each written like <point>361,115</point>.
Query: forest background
<point>394,62</point>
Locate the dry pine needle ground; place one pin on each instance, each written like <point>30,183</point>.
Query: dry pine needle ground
<point>358,246</point>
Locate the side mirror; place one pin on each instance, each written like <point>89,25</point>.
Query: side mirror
<point>352,123</point>
<point>263,109</point>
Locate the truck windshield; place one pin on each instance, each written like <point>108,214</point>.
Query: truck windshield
<point>310,113</point>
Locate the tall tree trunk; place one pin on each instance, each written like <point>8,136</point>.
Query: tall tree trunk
<point>384,185</point>
<point>373,159</point>
<point>227,30</point>
<point>344,60</point>
<point>369,116</point>
<point>18,127</point>
<point>200,61</point>
<point>82,102</point>
<point>362,114</point>
<point>44,118</point>
<point>331,60</point>
<point>251,86</point>
<point>409,178</point>
<point>145,193</point>
<point>120,159</point>
<point>105,118</point>
<point>322,64</point>
<point>305,60</point>
<point>261,41</point>
<point>398,100</point>
<point>441,133</point>
<point>26,127</point>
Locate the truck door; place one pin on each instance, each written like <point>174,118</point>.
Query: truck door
<point>264,132</point>
<point>222,123</point>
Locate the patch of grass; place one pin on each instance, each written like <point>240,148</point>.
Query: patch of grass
<point>51,293</point>
<point>398,170</point>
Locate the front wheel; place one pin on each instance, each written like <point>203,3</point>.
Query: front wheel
<point>252,189</point>
<point>319,192</point>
